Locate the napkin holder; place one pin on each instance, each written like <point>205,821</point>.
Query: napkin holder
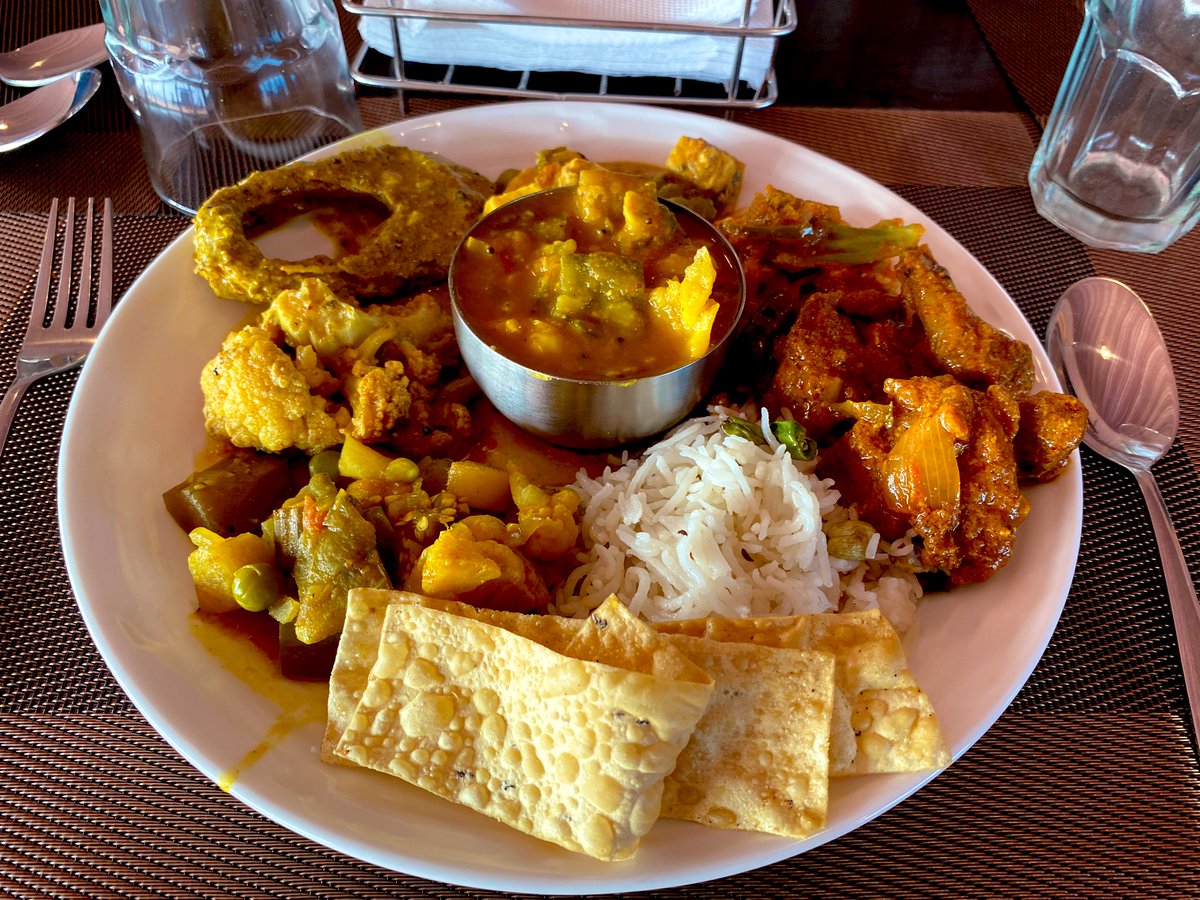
<point>744,76</point>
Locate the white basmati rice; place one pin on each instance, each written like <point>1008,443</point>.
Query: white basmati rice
<point>704,523</point>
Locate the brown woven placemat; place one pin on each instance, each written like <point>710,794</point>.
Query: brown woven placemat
<point>1087,786</point>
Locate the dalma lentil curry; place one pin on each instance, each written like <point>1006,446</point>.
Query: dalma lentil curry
<point>597,281</point>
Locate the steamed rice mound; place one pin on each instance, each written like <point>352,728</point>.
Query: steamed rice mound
<point>705,523</point>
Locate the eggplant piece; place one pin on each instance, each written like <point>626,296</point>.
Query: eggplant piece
<point>322,537</point>
<point>231,497</point>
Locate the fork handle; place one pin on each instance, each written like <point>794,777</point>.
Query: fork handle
<point>1185,610</point>
<point>8,406</point>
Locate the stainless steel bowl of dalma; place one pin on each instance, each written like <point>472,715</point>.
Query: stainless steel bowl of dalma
<point>596,314</point>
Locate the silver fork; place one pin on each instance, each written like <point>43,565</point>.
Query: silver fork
<point>59,336</point>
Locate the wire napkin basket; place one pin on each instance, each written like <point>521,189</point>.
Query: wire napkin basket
<point>738,89</point>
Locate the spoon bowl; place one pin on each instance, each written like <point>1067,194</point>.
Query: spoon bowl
<point>29,117</point>
<point>1107,350</point>
<point>47,59</point>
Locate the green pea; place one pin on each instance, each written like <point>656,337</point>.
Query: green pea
<point>402,471</point>
<point>324,463</point>
<point>255,586</point>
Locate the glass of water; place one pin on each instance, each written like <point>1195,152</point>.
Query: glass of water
<point>1118,165</point>
<point>222,88</point>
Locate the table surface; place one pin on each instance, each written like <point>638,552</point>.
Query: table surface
<point>1087,785</point>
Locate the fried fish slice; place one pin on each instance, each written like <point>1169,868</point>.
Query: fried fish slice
<point>568,750</point>
<point>972,350</point>
<point>430,203</point>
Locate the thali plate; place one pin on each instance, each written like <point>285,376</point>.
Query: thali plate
<point>135,427</point>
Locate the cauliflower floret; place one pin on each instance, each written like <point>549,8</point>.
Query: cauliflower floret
<point>434,427</point>
<point>370,374</point>
<point>256,397</point>
<point>313,315</point>
<point>379,400</point>
<point>422,367</point>
<point>423,322</point>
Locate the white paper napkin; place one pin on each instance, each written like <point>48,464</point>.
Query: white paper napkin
<point>594,51</point>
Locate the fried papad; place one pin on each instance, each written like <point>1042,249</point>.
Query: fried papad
<point>359,645</point>
<point>622,640</point>
<point>568,750</point>
<point>882,720</point>
<point>429,204</point>
<point>759,758</point>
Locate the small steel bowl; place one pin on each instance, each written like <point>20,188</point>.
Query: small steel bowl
<point>589,414</point>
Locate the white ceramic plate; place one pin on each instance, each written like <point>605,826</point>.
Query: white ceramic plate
<point>135,427</point>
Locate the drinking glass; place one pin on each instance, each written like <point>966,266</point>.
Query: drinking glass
<point>221,88</point>
<point>1118,165</point>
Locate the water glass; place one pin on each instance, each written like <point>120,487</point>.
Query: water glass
<point>221,88</point>
<point>1118,165</point>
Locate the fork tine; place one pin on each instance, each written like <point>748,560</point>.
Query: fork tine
<point>104,297</point>
<point>83,302</point>
<point>62,293</point>
<point>41,290</point>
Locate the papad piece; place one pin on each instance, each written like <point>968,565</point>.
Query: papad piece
<point>615,636</point>
<point>570,751</point>
<point>759,758</point>
<point>870,657</point>
<point>897,731</point>
<point>365,608</point>
<point>357,648</point>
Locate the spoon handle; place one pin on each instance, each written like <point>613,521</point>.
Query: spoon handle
<point>1185,610</point>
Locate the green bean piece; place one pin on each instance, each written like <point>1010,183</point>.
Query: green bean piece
<point>793,436</point>
<point>743,428</point>
<point>256,586</point>
<point>325,463</point>
<point>789,433</point>
<point>402,471</point>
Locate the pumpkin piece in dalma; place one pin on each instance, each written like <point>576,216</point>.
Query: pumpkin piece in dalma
<point>570,751</point>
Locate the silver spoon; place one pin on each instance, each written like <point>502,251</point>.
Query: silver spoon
<point>54,56</point>
<point>28,118</point>
<point>1108,351</point>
